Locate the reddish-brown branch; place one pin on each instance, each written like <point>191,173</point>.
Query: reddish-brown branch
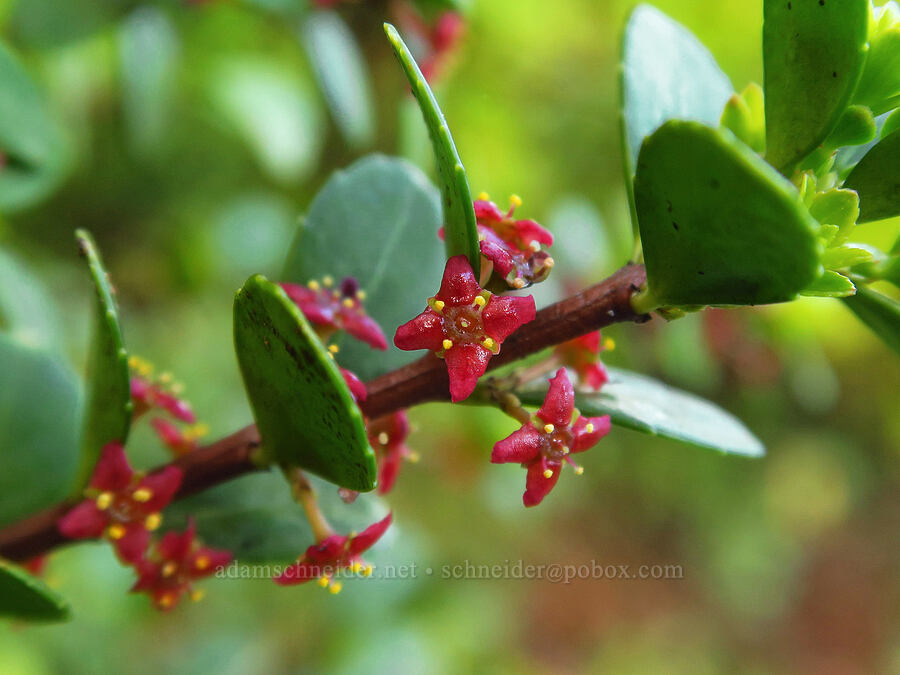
<point>424,380</point>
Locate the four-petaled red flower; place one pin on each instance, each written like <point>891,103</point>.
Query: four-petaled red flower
<point>465,325</point>
<point>583,355</point>
<point>337,552</point>
<point>387,435</point>
<point>121,504</point>
<point>178,560</point>
<point>331,310</point>
<point>545,443</point>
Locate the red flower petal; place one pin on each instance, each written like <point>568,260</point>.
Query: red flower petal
<point>364,328</point>
<point>560,401</point>
<point>530,231</point>
<point>522,445</point>
<point>84,521</point>
<point>583,439</point>
<point>147,576</point>
<point>177,545</point>
<point>503,315</point>
<point>175,406</point>
<point>298,573</point>
<point>459,285</point>
<point>499,256</point>
<point>308,302</point>
<point>388,470</point>
<point>537,486</point>
<point>357,388</point>
<point>590,342</point>
<point>112,473</point>
<point>595,375</point>
<point>487,210</point>
<point>328,550</point>
<point>163,485</point>
<point>465,364</point>
<point>133,544</point>
<point>426,331</point>
<point>367,538</point>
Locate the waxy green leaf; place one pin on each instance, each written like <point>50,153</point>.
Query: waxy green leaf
<point>651,407</point>
<point>376,221</point>
<point>107,416</point>
<point>813,53</point>
<point>460,231</point>
<point>877,180</point>
<point>830,285</point>
<point>718,225</point>
<point>305,413</point>
<point>25,597</point>
<point>878,312</point>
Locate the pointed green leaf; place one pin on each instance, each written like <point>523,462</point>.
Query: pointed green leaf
<point>32,147</point>
<point>745,117</point>
<point>719,226</point>
<point>878,312</point>
<point>25,597</point>
<point>651,407</point>
<point>304,411</point>
<point>342,73</point>
<point>376,221</point>
<point>108,414</point>
<point>460,233</point>
<point>830,285</point>
<point>839,257</point>
<point>39,405</point>
<point>877,180</point>
<point>813,53</point>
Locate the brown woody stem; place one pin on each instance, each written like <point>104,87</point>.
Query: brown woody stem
<point>424,380</point>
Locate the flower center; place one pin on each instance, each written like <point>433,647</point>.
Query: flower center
<point>557,444</point>
<point>463,325</point>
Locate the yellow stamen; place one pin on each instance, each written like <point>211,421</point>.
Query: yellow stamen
<point>313,285</point>
<point>199,430</point>
<point>367,570</point>
<point>202,562</point>
<point>548,428</point>
<point>383,438</point>
<point>323,582</point>
<point>589,428</point>
<point>165,377</point>
<point>115,532</point>
<point>447,344</point>
<point>515,201</point>
<point>480,301</point>
<point>438,305</point>
<point>348,303</point>
<point>549,262</point>
<point>153,521</point>
<point>104,500</point>
<point>489,343</point>
<point>167,601</point>
<point>334,349</point>
<point>335,588</point>
<point>484,197</point>
<point>518,282</point>
<point>413,457</point>
<point>360,295</point>
<point>609,344</point>
<point>579,470</point>
<point>564,450</point>
<point>197,595</point>
<point>176,388</point>
<point>142,495</point>
<point>548,473</point>
<point>355,566</point>
<point>169,569</point>
<point>327,280</point>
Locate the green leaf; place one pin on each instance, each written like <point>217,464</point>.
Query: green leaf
<point>47,24</point>
<point>108,414</point>
<point>745,117</point>
<point>343,75</point>
<point>877,180</point>
<point>879,86</point>
<point>651,407</point>
<point>256,518</point>
<point>27,312</point>
<point>304,411</point>
<point>830,285</point>
<point>813,53</point>
<point>376,221</point>
<point>34,152</point>
<point>857,126</point>
<point>878,312</point>
<point>39,403</point>
<point>719,226</point>
<point>25,597</point>
<point>836,207</point>
<point>460,232</point>
<point>838,257</point>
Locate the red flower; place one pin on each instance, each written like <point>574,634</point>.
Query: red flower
<point>583,355</point>
<point>524,235</point>
<point>147,393</point>
<point>543,444</point>
<point>387,435</point>
<point>334,310</point>
<point>36,565</point>
<point>356,385</point>
<point>333,554</point>
<point>465,325</point>
<point>434,42</point>
<point>177,561</point>
<point>179,441</point>
<point>121,504</point>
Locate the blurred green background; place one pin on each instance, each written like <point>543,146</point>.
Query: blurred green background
<point>198,135</point>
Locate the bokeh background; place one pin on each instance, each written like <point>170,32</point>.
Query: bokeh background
<point>198,136</point>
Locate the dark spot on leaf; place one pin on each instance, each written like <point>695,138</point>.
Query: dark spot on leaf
<point>789,6</point>
<point>834,74</point>
<point>714,184</point>
<point>675,225</point>
<point>822,3</point>
<point>700,272</point>
<point>668,206</point>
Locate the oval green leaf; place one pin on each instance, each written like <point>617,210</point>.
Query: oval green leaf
<point>25,597</point>
<point>719,226</point>
<point>877,180</point>
<point>651,407</point>
<point>304,411</point>
<point>27,312</point>
<point>813,53</point>
<point>376,221</point>
<point>107,416</point>
<point>878,312</point>
<point>460,231</point>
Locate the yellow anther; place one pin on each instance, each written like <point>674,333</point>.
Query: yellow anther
<point>355,566</point>
<point>548,428</point>
<point>480,301</point>
<point>518,282</point>
<point>133,361</point>
<point>515,201</point>
<point>438,305</point>
<point>609,344</point>
<point>548,473</point>
<point>176,388</point>
<point>323,582</point>
<point>360,295</point>
<point>313,285</point>
<point>589,428</point>
<point>335,588</point>
<point>104,500</point>
<point>348,303</point>
<point>327,280</point>
<point>488,343</point>
<point>153,521</point>
<point>167,601</point>
<point>564,450</point>
<point>549,262</point>
<point>367,570</point>
<point>142,495</point>
<point>115,532</point>
<point>165,377</point>
<point>447,344</point>
<point>484,197</point>
<point>197,595</point>
<point>334,349</point>
<point>579,470</point>
<point>169,569</point>
<point>383,438</point>
<point>202,562</point>
<point>199,430</point>
<point>413,457</point>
